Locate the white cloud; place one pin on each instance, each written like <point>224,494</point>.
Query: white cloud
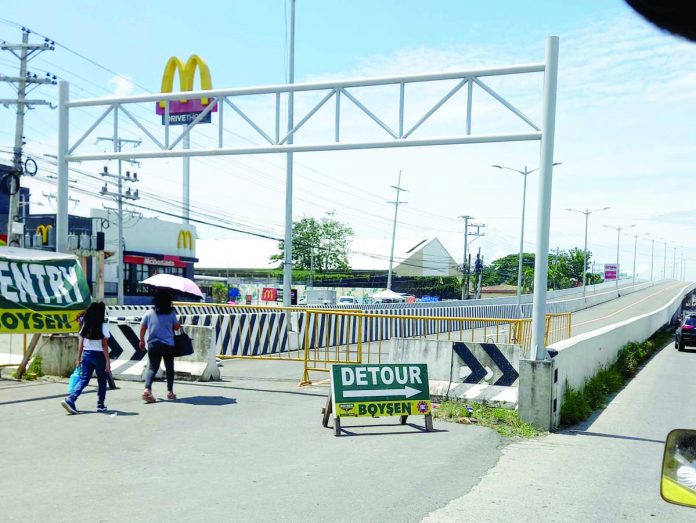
<point>121,85</point>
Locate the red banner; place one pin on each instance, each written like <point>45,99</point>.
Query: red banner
<point>269,294</point>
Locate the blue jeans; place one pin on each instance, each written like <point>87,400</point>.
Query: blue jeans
<point>92,361</point>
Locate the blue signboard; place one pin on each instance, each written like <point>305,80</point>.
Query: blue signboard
<point>185,118</point>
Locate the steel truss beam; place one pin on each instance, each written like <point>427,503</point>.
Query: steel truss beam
<point>338,90</point>
<point>164,147</point>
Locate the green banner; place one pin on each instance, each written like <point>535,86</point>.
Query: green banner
<point>40,292</point>
<point>380,390</point>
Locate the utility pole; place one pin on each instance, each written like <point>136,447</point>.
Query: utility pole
<point>466,265</point>
<point>674,264</point>
<point>24,52</point>
<point>119,196</point>
<point>396,203</point>
<point>664,265</point>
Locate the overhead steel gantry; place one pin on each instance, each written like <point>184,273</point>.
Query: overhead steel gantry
<point>164,144</point>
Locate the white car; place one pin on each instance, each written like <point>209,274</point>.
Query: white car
<point>347,300</point>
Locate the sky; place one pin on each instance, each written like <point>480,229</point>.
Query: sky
<point>624,122</point>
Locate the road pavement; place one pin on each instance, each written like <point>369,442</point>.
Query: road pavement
<point>625,307</point>
<point>607,469</point>
<point>250,448</point>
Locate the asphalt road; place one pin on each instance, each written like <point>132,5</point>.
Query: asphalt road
<point>607,469</point>
<point>625,307</point>
<point>250,448</point>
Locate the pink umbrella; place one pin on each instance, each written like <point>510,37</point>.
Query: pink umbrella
<point>174,283</point>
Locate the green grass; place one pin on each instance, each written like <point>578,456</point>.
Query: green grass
<point>34,370</point>
<point>504,421</point>
<point>579,404</point>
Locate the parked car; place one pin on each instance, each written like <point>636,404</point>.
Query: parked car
<point>347,300</point>
<point>686,333</point>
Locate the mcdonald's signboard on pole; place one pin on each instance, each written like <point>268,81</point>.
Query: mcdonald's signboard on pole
<point>183,112</point>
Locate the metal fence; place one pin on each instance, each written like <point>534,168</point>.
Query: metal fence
<point>332,336</point>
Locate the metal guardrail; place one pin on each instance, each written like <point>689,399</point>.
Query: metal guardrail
<point>357,337</point>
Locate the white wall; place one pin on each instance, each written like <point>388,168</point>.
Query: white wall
<point>580,357</point>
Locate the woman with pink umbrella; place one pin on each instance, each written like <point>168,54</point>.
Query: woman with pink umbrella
<point>160,324</point>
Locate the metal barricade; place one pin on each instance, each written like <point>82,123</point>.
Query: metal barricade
<point>340,336</point>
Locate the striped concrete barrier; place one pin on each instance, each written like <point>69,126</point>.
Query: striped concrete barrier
<point>129,363</point>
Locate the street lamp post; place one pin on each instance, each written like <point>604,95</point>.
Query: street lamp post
<point>635,253</point>
<point>664,264</point>
<point>524,203</point>
<point>618,244</point>
<point>587,213</point>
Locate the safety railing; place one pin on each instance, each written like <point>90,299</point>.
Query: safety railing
<point>558,328</point>
<point>333,336</point>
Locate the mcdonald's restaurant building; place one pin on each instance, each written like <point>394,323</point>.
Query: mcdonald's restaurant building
<point>151,246</point>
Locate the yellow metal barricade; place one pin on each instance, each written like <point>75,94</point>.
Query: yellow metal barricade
<point>347,336</point>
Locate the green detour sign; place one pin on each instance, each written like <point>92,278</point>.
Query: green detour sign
<point>379,390</point>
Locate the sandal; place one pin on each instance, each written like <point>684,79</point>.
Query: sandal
<point>148,397</point>
<point>171,395</point>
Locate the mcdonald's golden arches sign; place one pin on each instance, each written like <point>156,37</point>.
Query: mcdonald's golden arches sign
<point>185,240</point>
<point>184,111</point>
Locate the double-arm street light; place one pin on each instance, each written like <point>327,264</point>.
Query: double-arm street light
<point>587,213</point>
<point>524,174</point>
<point>618,244</point>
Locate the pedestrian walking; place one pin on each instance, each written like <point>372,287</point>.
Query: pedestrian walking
<point>160,324</point>
<point>92,356</point>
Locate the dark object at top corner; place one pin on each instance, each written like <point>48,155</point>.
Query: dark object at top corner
<point>676,16</point>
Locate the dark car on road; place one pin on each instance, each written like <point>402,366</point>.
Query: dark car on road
<point>686,333</point>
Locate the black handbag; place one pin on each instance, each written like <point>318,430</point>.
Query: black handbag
<point>183,346</point>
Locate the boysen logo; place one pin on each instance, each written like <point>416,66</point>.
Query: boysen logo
<point>43,230</point>
<point>185,240</point>
<point>184,111</point>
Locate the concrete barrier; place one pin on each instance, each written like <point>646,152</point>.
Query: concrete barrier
<point>580,357</point>
<point>482,372</point>
<point>129,363</point>
<point>58,353</point>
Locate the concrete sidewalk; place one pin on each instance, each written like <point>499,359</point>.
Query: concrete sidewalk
<point>249,448</point>
<point>607,469</point>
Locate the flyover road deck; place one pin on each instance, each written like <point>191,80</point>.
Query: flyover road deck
<point>625,307</point>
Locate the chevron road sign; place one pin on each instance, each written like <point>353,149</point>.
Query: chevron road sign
<point>485,364</point>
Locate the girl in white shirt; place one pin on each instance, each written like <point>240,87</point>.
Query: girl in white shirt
<point>92,356</point>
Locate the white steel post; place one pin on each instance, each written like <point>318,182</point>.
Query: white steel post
<point>186,200</point>
<point>618,265</point>
<point>584,255</point>
<point>635,255</point>
<point>287,265</point>
<point>519,262</point>
<point>63,145</point>
<point>652,259</point>
<point>544,206</point>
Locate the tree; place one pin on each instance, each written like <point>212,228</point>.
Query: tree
<point>220,292</point>
<point>565,270</point>
<point>321,245</point>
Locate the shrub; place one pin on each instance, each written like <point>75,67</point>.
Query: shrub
<point>575,407</point>
<point>579,404</point>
